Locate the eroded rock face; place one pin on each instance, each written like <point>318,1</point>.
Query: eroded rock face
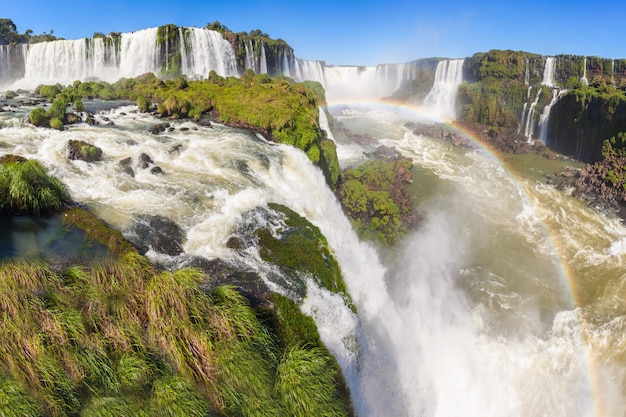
<point>81,150</point>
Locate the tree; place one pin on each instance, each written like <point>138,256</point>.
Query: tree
<point>8,31</point>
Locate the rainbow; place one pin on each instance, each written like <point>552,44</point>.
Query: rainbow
<point>567,274</point>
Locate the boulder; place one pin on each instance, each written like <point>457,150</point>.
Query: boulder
<point>144,161</point>
<point>158,233</point>
<point>8,159</point>
<point>158,128</point>
<point>156,171</point>
<point>81,150</point>
<point>126,166</point>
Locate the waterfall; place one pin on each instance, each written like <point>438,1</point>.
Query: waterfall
<point>549,72</point>
<point>613,72</point>
<point>324,125</point>
<point>530,122</point>
<point>262,60</point>
<point>544,119</point>
<point>134,54</point>
<point>209,51</point>
<point>249,59</point>
<point>584,77</point>
<point>442,97</point>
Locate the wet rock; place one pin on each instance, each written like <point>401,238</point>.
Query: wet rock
<point>157,171</point>
<point>126,166</point>
<point>72,118</point>
<point>242,166</point>
<point>81,150</point>
<point>158,128</point>
<point>90,120</point>
<point>158,233</point>
<point>204,122</point>
<point>385,152</point>
<point>144,161</point>
<point>220,272</point>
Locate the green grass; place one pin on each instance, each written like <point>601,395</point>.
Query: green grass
<point>26,188</point>
<point>122,338</point>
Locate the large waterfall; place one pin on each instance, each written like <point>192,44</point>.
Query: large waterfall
<point>442,97</point>
<point>109,59</point>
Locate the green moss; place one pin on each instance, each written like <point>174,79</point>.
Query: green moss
<point>97,230</point>
<point>301,247</point>
<point>367,196</point>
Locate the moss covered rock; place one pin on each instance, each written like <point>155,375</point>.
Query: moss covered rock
<point>81,150</point>
<point>375,197</point>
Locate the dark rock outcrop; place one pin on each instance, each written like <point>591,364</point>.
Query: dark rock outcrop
<point>158,233</point>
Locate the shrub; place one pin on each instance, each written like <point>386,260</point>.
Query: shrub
<point>79,105</point>
<point>144,104</point>
<point>38,117</point>
<point>56,123</point>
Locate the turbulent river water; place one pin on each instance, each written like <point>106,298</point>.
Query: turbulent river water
<point>509,299</point>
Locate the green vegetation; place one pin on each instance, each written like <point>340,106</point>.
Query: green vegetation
<point>122,338</point>
<point>492,103</point>
<point>26,187</point>
<point>10,35</point>
<point>501,66</point>
<point>97,230</point>
<point>280,109</point>
<point>301,247</point>
<point>371,197</point>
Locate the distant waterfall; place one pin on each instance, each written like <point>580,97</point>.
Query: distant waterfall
<point>529,120</point>
<point>109,59</point>
<point>613,72</point>
<point>549,72</point>
<point>584,77</point>
<point>527,73</point>
<point>257,62</point>
<point>442,97</point>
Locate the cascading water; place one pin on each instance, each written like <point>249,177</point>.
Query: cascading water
<point>442,97</point>
<point>583,79</point>
<point>528,119</point>
<point>133,54</point>
<point>208,51</point>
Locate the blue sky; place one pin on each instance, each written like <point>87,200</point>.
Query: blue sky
<point>359,32</point>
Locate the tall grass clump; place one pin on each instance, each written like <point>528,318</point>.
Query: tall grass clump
<point>26,187</point>
<point>306,383</point>
<point>122,338</point>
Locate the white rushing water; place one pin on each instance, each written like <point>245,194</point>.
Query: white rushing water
<point>442,97</point>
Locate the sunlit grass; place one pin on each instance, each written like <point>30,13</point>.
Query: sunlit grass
<point>26,187</point>
<point>123,338</point>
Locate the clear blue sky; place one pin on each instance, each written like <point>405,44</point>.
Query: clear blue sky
<point>362,32</point>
